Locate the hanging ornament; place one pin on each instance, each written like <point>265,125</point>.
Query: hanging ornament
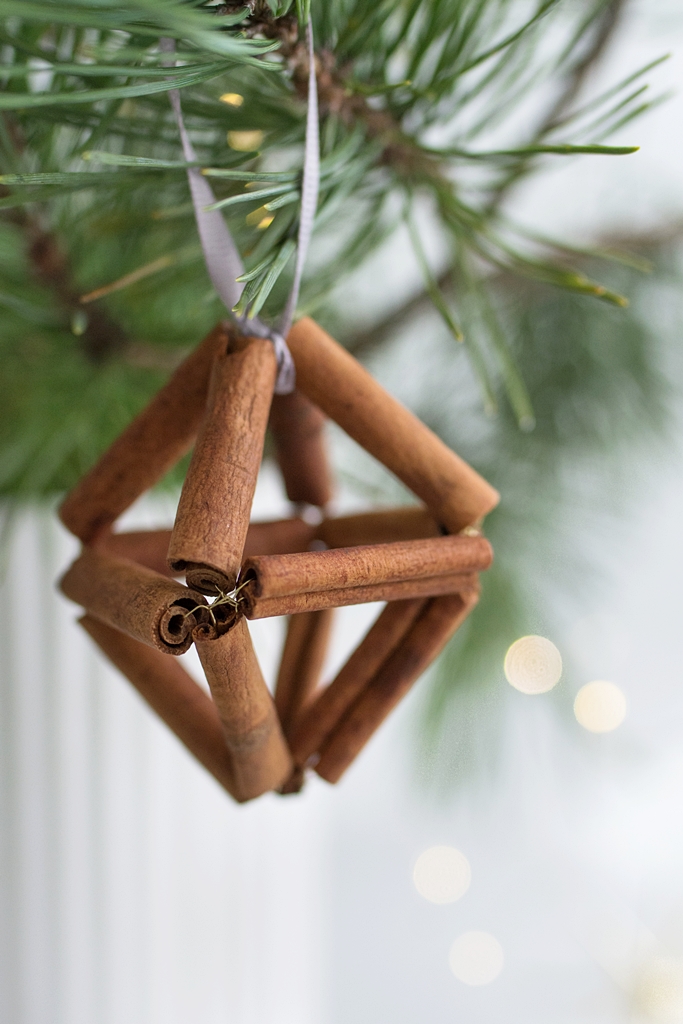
<point>423,561</point>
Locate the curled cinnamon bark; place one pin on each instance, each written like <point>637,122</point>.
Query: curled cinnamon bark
<point>293,604</point>
<point>380,527</point>
<point>279,575</point>
<point>158,611</point>
<point>259,754</point>
<point>285,536</point>
<point>322,715</point>
<point>280,537</point>
<point>151,445</point>
<point>293,581</point>
<point>146,547</point>
<point>165,685</point>
<point>336,382</point>
<point>301,664</point>
<point>298,429</point>
<point>215,504</point>
<point>432,630</point>
<point>150,547</point>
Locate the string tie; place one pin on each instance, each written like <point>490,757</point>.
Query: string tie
<point>223,261</point>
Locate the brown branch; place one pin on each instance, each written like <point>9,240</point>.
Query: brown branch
<point>102,338</point>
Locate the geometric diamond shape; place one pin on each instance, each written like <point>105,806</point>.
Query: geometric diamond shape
<point>416,559</point>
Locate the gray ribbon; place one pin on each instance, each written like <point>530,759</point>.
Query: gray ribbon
<point>309,186</point>
<point>222,259</point>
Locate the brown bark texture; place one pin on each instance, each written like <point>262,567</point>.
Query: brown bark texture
<point>299,577</point>
<point>260,758</point>
<point>293,604</point>
<point>301,664</point>
<point>381,527</point>
<point>215,503</point>
<point>134,599</point>
<point>150,547</point>
<point>279,537</point>
<point>322,715</point>
<point>336,382</point>
<point>146,547</point>
<point>151,445</point>
<point>423,642</point>
<point>176,698</point>
<point>279,575</point>
<point>285,536</point>
<point>298,429</point>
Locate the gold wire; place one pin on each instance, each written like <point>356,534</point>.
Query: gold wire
<point>224,597</point>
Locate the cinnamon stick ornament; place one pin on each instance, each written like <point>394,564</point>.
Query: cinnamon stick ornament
<point>136,600</point>
<point>212,520</point>
<point>423,560</point>
<point>252,731</point>
<point>151,445</point>
<point>175,697</point>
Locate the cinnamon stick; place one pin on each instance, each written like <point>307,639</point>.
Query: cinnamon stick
<point>285,536</point>
<point>146,547</point>
<point>150,547</point>
<point>260,758</point>
<point>165,685</point>
<point>298,429</point>
<point>321,716</point>
<point>336,382</point>
<point>215,504</point>
<point>402,590</point>
<point>272,576</point>
<point>380,527</point>
<point>405,664</point>
<point>155,440</point>
<point>280,537</point>
<point>301,664</point>
<point>134,599</point>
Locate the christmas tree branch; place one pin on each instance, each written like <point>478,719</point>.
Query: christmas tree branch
<point>608,22</point>
<point>100,337</point>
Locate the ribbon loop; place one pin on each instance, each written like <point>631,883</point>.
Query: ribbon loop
<point>223,261</point>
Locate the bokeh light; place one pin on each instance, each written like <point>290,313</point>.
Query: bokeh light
<point>442,874</point>
<point>600,706</point>
<point>476,958</point>
<point>233,99</point>
<point>533,665</point>
<point>658,990</point>
<point>245,141</point>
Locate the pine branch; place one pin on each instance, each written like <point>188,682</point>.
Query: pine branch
<point>608,24</point>
<point>99,336</point>
<point>80,77</point>
<point>366,342</point>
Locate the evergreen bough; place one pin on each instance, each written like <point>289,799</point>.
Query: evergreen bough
<point>431,111</point>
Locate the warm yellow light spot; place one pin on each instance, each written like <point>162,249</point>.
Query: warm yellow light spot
<point>233,99</point>
<point>658,990</point>
<point>533,664</point>
<point>245,142</point>
<point>442,874</point>
<point>476,958</point>
<point>260,218</point>
<point>600,706</point>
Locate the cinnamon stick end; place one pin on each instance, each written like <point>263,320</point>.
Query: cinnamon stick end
<point>207,579</point>
<point>294,784</point>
